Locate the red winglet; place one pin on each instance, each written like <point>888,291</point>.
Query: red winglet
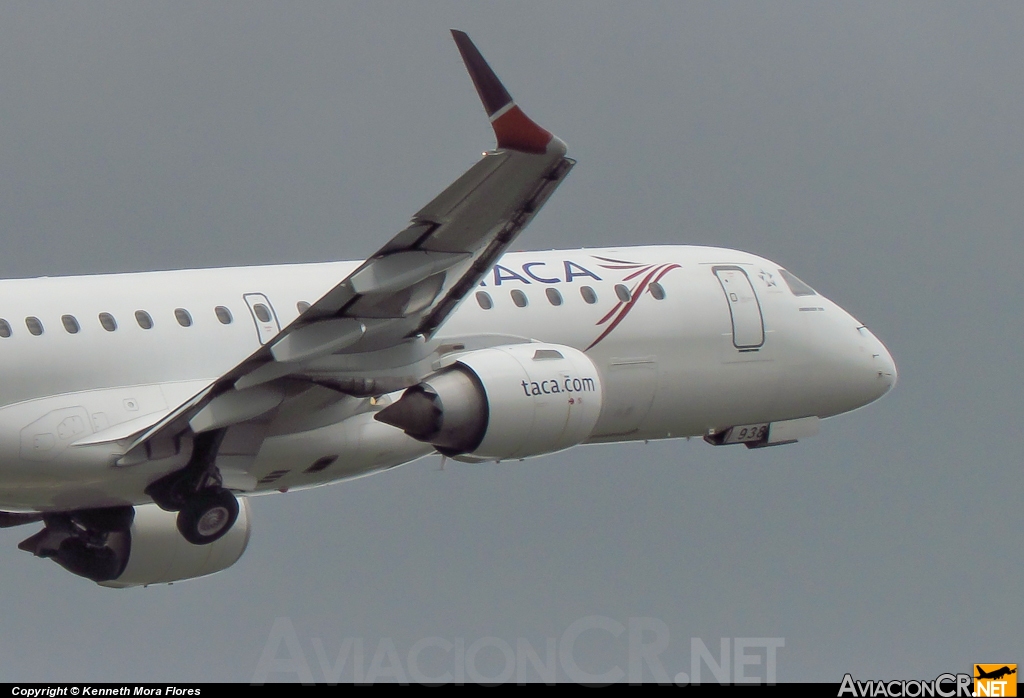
<point>517,131</point>
<point>513,129</point>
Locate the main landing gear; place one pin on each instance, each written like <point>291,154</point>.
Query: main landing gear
<point>207,516</point>
<point>206,511</point>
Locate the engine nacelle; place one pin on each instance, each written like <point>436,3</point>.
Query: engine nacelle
<point>510,401</point>
<point>157,554</point>
<point>150,551</point>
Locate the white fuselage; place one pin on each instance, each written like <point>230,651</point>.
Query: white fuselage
<point>677,366</point>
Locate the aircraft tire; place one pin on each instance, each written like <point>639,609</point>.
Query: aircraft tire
<point>208,516</point>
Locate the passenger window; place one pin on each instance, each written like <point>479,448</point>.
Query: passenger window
<point>658,291</point>
<point>70,324</point>
<point>519,298</point>
<point>483,299</point>
<point>5,329</point>
<point>589,295</point>
<point>144,319</point>
<point>183,317</point>
<point>554,297</point>
<point>262,312</point>
<point>34,326</point>
<point>622,292</point>
<point>223,314</point>
<point>302,306</point>
<point>798,287</point>
<point>108,322</point>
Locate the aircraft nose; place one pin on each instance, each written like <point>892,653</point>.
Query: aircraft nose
<point>862,370</point>
<point>883,364</point>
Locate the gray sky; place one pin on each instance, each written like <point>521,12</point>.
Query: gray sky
<point>874,149</point>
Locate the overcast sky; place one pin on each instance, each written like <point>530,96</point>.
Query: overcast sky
<point>875,149</point>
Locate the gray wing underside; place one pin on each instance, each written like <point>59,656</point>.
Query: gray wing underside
<point>373,332</point>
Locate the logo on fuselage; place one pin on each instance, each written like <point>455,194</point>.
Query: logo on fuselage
<point>536,271</point>
<point>636,276</point>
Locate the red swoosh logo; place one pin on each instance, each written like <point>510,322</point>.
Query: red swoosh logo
<point>617,314</point>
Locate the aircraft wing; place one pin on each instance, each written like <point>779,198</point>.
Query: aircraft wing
<point>372,333</point>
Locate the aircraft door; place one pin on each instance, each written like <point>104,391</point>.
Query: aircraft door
<point>264,315</point>
<point>744,307</point>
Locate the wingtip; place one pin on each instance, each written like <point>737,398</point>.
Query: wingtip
<point>512,127</point>
<point>492,93</point>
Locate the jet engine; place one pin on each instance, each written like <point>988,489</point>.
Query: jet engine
<point>138,546</point>
<point>503,402</point>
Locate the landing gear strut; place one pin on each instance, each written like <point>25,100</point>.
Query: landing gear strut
<point>206,511</point>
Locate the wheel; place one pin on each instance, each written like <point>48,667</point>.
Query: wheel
<point>208,516</point>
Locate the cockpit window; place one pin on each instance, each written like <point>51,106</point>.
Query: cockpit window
<point>798,287</point>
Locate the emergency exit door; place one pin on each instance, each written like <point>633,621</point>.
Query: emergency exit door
<point>263,314</point>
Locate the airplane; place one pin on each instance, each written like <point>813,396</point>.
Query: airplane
<point>139,412</point>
